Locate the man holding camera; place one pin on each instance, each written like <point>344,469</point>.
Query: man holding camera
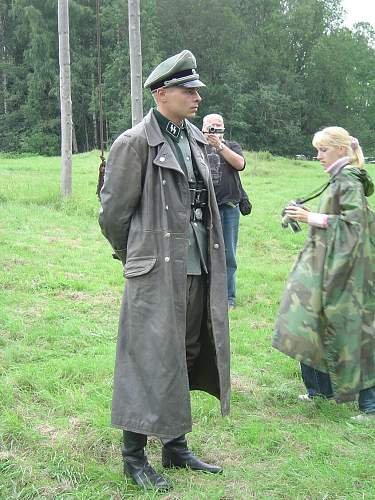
<point>226,160</point>
<point>160,215</point>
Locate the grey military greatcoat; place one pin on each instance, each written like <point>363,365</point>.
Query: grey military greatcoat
<point>145,214</point>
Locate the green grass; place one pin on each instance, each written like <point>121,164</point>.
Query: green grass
<point>60,294</point>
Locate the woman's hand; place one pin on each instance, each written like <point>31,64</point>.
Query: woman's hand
<point>297,213</point>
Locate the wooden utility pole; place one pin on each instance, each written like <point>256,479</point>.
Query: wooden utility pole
<point>65,99</point>
<point>135,60</point>
<point>3,51</point>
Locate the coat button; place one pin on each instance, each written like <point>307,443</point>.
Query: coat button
<point>162,158</point>
<point>164,182</point>
<point>166,207</point>
<point>166,259</point>
<point>167,235</point>
<point>216,245</point>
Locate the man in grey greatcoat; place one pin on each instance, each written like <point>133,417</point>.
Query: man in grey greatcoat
<point>160,215</point>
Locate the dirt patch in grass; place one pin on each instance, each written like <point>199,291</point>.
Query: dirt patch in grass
<point>70,242</point>
<point>260,324</point>
<point>242,385</point>
<point>237,489</point>
<point>63,486</point>
<point>74,276</point>
<point>7,455</point>
<point>107,298</point>
<point>55,434</point>
<point>32,312</point>
<point>232,456</point>
<point>9,264</point>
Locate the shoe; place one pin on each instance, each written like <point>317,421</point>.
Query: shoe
<point>175,453</point>
<point>364,417</point>
<point>305,397</point>
<point>231,306</point>
<point>145,476</point>
<point>136,465</point>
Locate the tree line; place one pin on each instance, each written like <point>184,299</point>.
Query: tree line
<point>277,70</point>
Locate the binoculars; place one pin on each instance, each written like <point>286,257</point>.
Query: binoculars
<point>198,194</point>
<point>286,221</point>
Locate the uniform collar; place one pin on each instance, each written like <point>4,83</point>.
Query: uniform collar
<point>154,134</point>
<point>167,127</point>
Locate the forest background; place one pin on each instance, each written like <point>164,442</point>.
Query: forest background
<point>277,70</point>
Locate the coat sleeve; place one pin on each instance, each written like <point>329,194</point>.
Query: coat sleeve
<point>345,239</point>
<point>120,194</point>
<point>347,282</point>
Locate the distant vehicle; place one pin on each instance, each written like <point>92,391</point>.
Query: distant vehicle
<point>304,157</point>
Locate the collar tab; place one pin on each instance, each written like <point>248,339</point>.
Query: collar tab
<point>173,130</point>
<point>168,127</point>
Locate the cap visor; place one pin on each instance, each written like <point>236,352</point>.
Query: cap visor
<point>192,84</point>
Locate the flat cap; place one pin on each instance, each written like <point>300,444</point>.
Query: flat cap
<point>176,71</point>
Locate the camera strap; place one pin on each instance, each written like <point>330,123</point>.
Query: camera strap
<point>314,194</point>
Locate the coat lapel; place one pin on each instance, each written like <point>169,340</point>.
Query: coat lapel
<point>166,159</point>
<point>199,158</point>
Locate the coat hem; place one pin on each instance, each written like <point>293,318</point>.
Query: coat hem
<point>152,432</point>
<point>339,397</point>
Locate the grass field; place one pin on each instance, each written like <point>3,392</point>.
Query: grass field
<point>59,302</point>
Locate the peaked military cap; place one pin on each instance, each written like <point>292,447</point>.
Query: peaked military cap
<point>176,71</point>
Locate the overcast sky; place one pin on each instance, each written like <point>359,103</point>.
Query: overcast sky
<point>359,10</point>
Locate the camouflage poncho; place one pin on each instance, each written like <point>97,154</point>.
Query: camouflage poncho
<point>326,318</point>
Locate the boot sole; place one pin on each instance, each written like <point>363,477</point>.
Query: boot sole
<point>172,466</point>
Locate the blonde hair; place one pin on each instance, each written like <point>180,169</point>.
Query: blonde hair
<point>339,137</point>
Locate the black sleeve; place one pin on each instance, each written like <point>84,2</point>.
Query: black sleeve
<point>234,146</point>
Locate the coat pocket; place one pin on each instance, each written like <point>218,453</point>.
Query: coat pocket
<point>138,265</point>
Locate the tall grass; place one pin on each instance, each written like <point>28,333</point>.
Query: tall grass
<point>59,302</point>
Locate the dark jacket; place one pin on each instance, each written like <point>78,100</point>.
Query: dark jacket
<point>145,213</point>
<point>225,178</point>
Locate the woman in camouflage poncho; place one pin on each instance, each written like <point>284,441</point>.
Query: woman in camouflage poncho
<point>326,318</point>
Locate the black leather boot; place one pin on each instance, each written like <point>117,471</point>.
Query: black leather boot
<point>175,453</point>
<point>136,465</point>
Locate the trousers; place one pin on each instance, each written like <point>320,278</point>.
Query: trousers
<point>230,220</point>
<point>319,384</point>
<point>196,310</point>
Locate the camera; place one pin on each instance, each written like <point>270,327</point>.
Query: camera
<point>213,130</point>
<point>286,221</point>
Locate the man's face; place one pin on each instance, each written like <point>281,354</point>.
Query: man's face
<point>213,121</point>
<point>180,102</point>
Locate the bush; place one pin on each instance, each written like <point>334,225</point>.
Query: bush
<point>264,156</point>
<point>41,143</point>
